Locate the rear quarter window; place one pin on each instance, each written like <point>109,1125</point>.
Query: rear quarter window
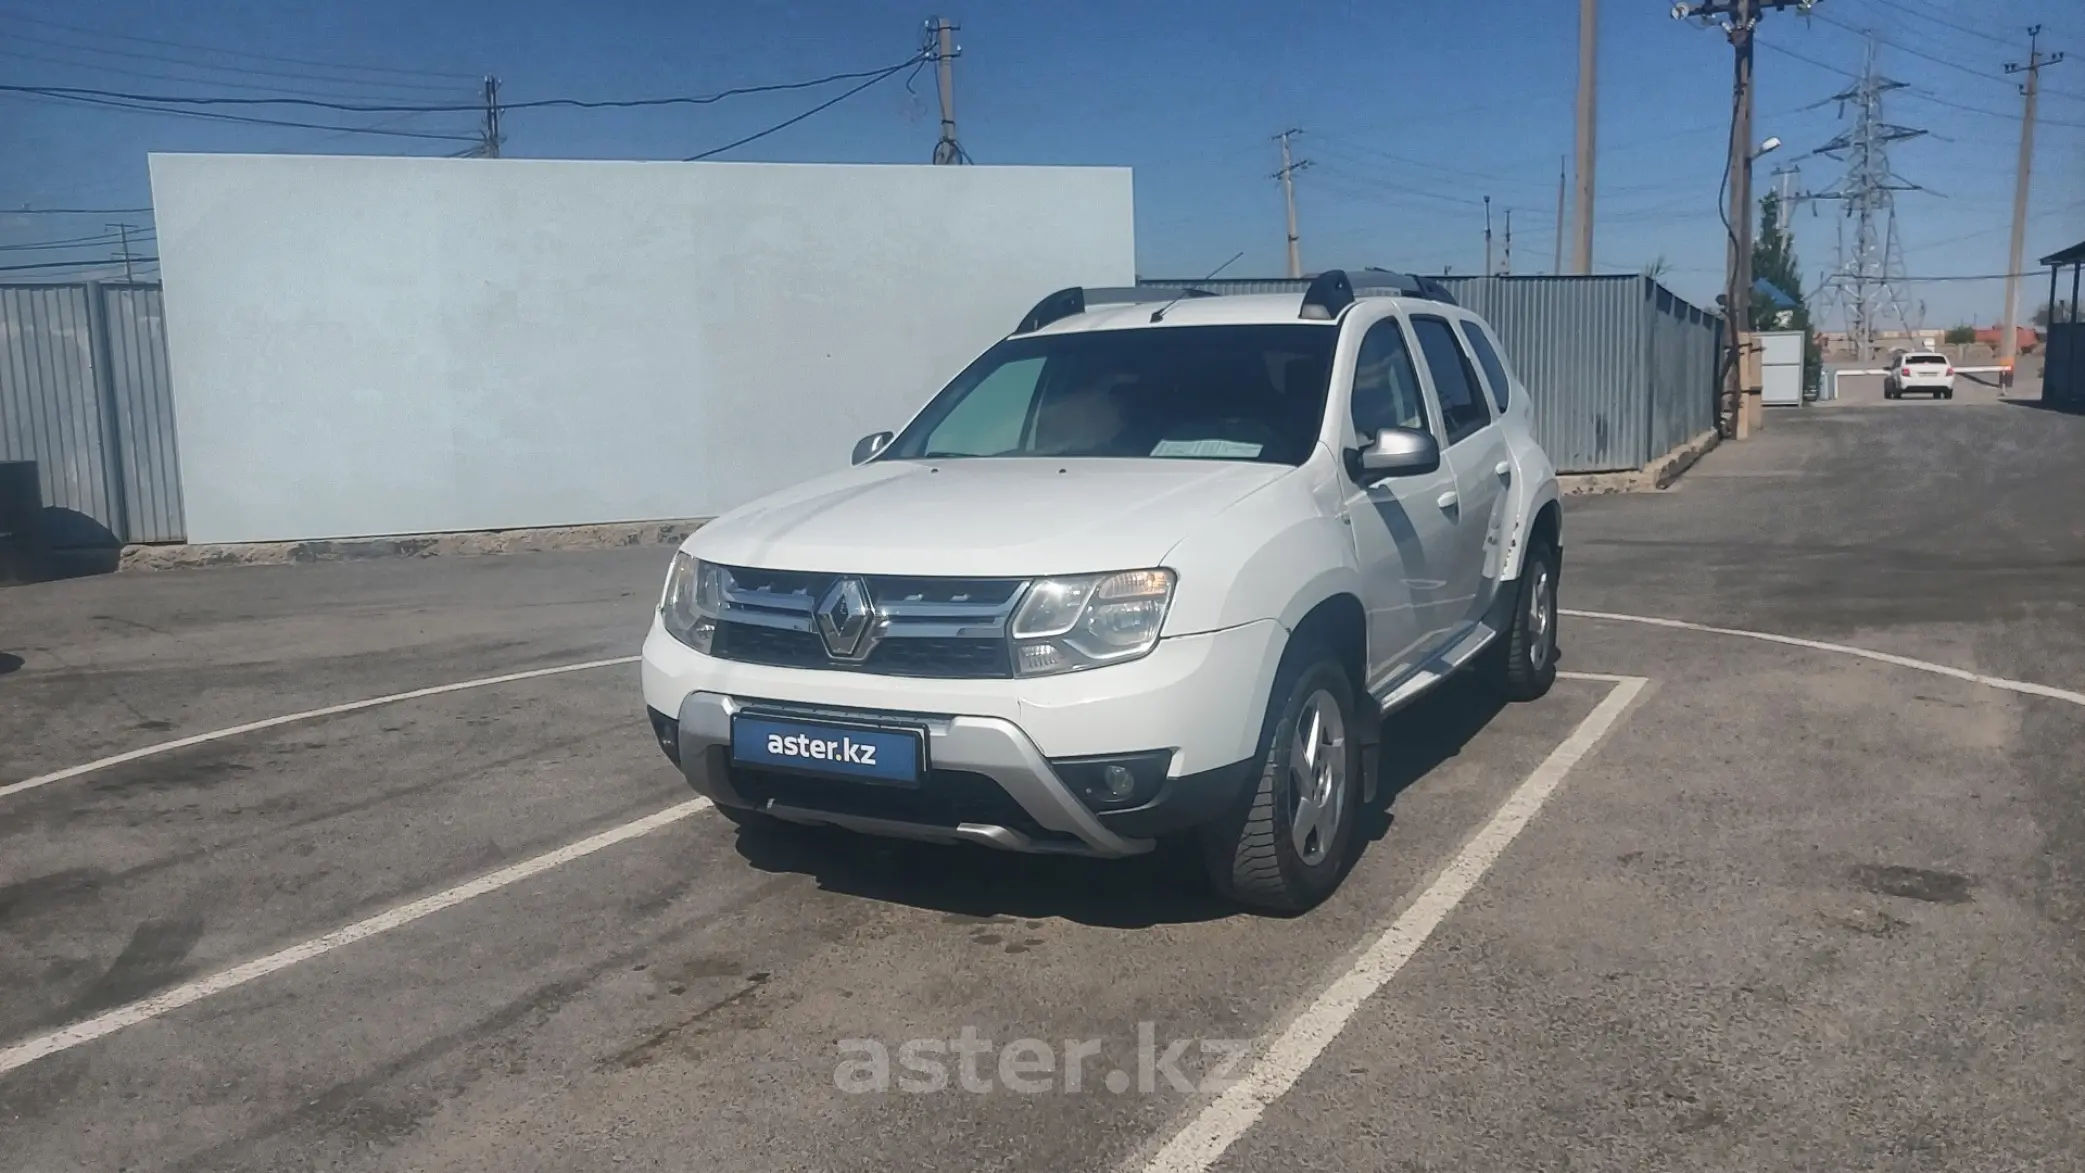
<point>1494,367</point>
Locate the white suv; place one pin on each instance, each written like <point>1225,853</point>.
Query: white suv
<point>1920,370</point>
<point>1152,566</point>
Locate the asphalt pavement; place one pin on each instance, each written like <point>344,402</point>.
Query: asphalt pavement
<point>1716,903</point>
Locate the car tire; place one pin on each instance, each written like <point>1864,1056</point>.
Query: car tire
<point>1522,662</point>
<point>1255,853</point>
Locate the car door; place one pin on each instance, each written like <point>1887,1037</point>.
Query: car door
<point>1401,527</point>
<point>1514,423</point>
<point>1474,449</point>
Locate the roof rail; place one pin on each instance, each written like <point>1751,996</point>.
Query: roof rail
<point>1329,293</point>
<point>1408,285</point>
<point>1077,300</point>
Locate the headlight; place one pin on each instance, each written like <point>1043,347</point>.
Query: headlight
<point>1065,624</point>
<point>694,591</point>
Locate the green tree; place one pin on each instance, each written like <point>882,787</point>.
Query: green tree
<point>1960,335</point>
<point>1774,261</point>
<point>2062,310</point>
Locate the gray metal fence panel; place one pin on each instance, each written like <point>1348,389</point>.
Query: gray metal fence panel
<point>1682,378</point>
<point>1579,344</point>
<point>1620,371</point>
<point>136,353</point>
<point>50,413</point>
<point>85,393</point>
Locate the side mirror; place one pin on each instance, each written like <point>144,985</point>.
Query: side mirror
<point>1398,452</point>
<point>870,447</point>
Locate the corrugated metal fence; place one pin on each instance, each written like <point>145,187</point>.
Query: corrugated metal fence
<point>1620,370</point>
<point>84,392</point>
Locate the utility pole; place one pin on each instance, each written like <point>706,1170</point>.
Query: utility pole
<point>942,44</point>
<point>1558,269</point>
<point>123,233</point>
<point>1588,85</point>
<point>1488,271</point>
<point>2009,340</point>
<point>1738,19</point>
<point>1506,269</point>
<point>489,132</point>
<point>1289,167</point>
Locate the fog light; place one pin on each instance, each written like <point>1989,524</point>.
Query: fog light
<point>1118,782</point>
<point>1115,781</point>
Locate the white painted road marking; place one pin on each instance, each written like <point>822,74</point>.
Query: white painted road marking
<point>287,718</point>
<point>65,1038</point>
<point>2024,687</point>
<point>1219,1125</point>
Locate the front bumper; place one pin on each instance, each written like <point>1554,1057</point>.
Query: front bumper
<point>996,747</point>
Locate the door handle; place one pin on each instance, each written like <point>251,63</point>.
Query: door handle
<point>1504,468</point>
<point>1447,500</point>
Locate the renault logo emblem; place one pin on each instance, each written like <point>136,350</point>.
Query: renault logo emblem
<point>845,620</point>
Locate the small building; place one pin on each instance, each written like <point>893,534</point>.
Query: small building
<point>2063,363</point>
<point>2026,338</point>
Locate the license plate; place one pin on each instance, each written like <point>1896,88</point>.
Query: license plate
<point>869,753</point>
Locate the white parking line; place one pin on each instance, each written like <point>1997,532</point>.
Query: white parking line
<point>2024,687</point>
<point>1219,1125</point>
<point>30,1050</point>
<point>287,718</point>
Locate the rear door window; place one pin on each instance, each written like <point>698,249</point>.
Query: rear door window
<point>1463,411</point>
<point>1494,368</point>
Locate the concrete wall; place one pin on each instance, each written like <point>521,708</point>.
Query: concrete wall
<point>380,346</point>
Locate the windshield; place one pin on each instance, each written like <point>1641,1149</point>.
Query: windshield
<point>1928,359</point>
<point>1184,392</point>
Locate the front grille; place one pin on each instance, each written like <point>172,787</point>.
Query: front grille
<point>945,798</point>
<point>769,645</point>
<point>947,628</point>
<point>956,659</point>
<point>974,659</point>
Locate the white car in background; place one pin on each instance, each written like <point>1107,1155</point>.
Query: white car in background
<point>1152,566</point>
<point>1922,371</point>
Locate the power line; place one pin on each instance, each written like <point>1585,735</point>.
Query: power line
<point>1916,93</point>
<point>265,87</point>
<point>71,242</point>
<point>1903,48</point>
<point>1924,13</point>
<point>874,75</point>
<point>72,211</point>
<point>76,264</point>
<point>829,103</point>
<point>34,92</point>
<point>300,75</point>
<point>247,54</point>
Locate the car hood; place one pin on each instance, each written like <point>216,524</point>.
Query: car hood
<point>1006,517</point>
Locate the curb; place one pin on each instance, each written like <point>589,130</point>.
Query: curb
<point>1658,474</point>
<point>512,541</point>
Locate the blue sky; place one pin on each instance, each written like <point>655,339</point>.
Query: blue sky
<point>1413,111</point>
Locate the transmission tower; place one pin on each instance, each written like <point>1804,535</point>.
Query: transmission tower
<point>1864,287</point>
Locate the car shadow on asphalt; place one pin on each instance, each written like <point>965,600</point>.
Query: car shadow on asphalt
<point>2077,408</point>
<point>1165,887</point>
<point>1418,739</point>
